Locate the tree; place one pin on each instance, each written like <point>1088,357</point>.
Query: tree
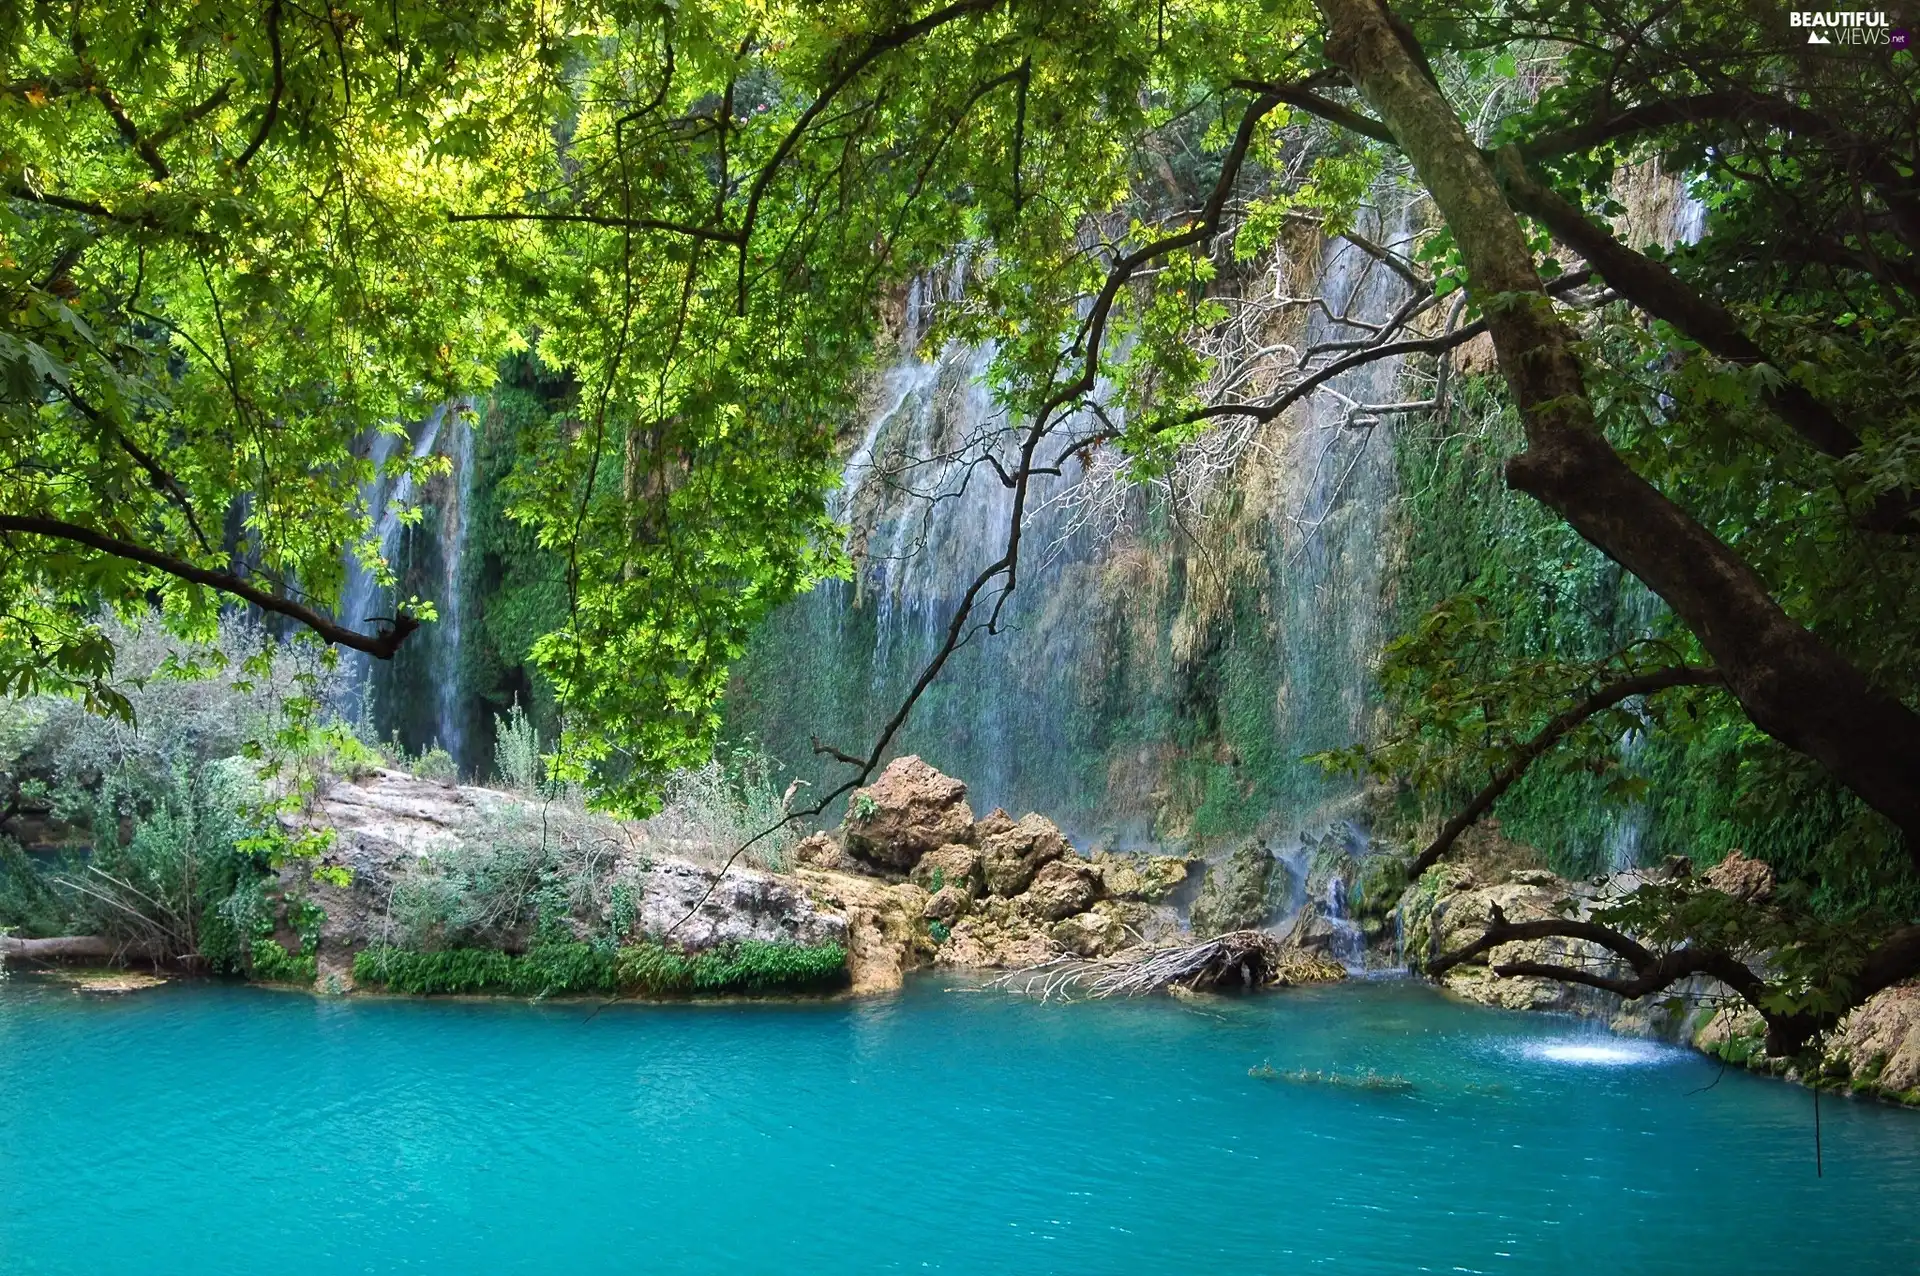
<point>691,210</point>
<point>227,264</point>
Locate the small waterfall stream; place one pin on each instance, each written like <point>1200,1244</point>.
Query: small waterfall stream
<point>416,697</point>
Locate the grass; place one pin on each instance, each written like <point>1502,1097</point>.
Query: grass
<point>561,968</point>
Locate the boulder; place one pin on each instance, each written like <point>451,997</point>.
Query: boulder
<point>1146,878</point>
<point>1313,933</point>
<point>1747,880</point>
<point>819,850</point>
<point>1094,933</point>
<point>955,864</point>
<point>948,904</point>
<point>910,810</point>
<point>1240,892</point>
<point>1062,888</point>
<point>1012,853</point>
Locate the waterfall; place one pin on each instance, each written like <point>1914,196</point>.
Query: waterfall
<point>385,497</point>
<point>417,696</point>
<point>450,724</point>
<point>1116,699</point>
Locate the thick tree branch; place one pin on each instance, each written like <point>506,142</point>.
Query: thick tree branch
<point>273,98</point>
<point>1648,284</point>
<point>382,644</point>
<point>1791,684</point>
<point>1556,729</point>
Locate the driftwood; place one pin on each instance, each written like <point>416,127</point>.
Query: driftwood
<point>72,948</point>
<point>1239,959</point>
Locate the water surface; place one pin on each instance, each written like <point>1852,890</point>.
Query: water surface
<point>225,1129</point>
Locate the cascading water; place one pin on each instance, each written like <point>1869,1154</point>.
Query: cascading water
<point>1112,700</point>
<point>416,696</point>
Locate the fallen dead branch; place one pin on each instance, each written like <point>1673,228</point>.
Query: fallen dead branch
<point>1239,959</point>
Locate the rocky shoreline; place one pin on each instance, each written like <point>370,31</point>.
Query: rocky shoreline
<point>1874,1052</point>
<point>915,881</point>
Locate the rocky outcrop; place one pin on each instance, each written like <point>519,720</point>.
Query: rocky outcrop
<point>1877,1046</point>
<point>1874,1051</point>
<point>385,827</point>
<point>1012,853</point>
<point>1448,908</point>
<point>1748,880</point>
<point>1240,893</point>
<point>885,925</point>
<point>910,810</point>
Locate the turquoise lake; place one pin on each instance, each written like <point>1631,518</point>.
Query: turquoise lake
<point>197,1129</point>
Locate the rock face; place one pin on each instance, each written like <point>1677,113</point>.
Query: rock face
<point>1878,1044</point>
<point>1239,893</point>
<point>910,810</point>
<point>740,904</point>
<point>886,931</point>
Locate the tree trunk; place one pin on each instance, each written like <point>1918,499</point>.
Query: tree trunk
<point>1790,683</point>
<point>71,948</point>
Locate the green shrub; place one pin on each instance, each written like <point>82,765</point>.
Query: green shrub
<point>569,967</point>
<point>271,963</point>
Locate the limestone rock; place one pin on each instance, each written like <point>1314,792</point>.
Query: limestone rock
<point>885,934</point>
<point>1240,892</point>
<point>1011,854</point>
<point>1747,880</point>
<point>955,864</point>
<point>740,904</point>
<point>1094,933</point>
<point>948,904</point>
<point>1062,888</point>
<point>1879,1041</point>
<point>819,850</point>
<point>1147,878</point>
<point>1003,939</point>
<point>910,810</point>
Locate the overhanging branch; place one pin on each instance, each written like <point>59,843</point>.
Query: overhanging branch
<point>1556,729</point>
<point>381,645</point>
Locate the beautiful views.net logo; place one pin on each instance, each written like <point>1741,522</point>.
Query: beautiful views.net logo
<point>1849,28</point>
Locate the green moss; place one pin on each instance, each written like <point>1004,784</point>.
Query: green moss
<point>560,968</point>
